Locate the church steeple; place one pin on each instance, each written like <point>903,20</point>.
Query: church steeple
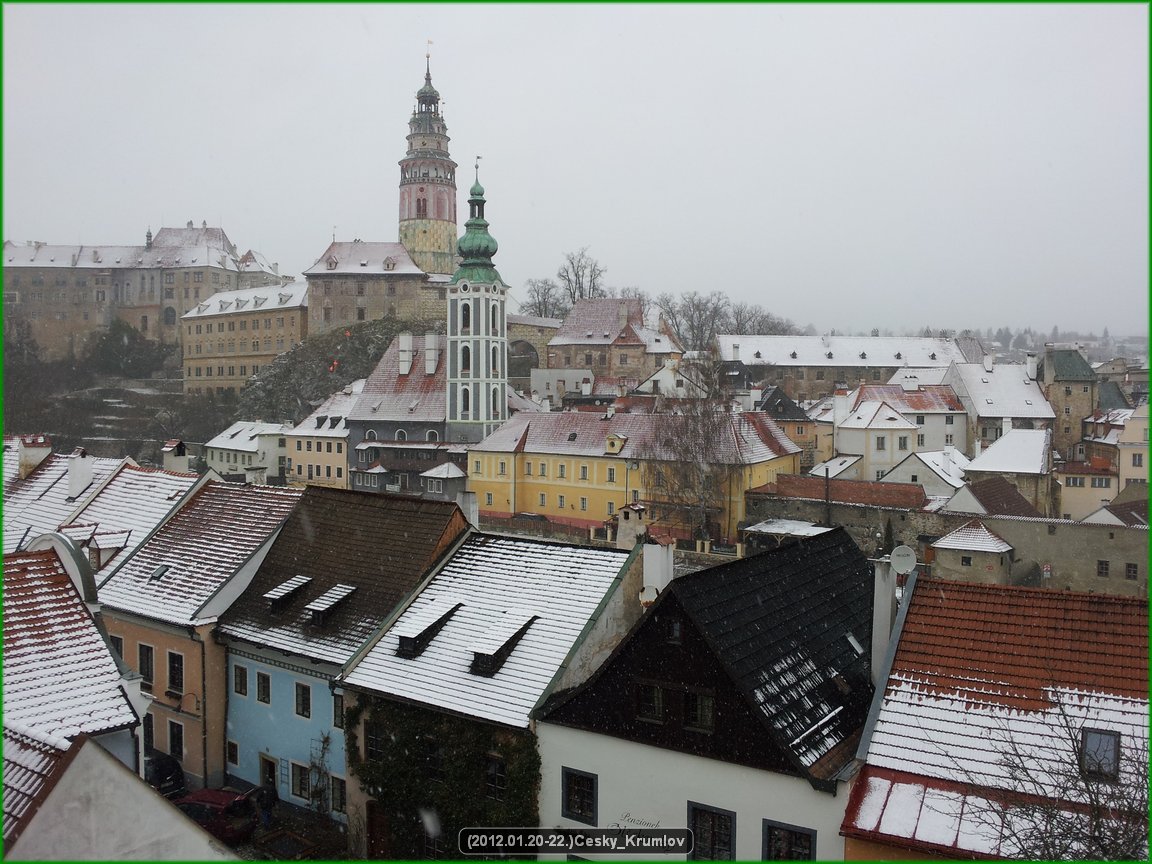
<point>477,335</point>
<point>428,185</point>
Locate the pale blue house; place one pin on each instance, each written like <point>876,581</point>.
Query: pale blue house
<point>341,564</point>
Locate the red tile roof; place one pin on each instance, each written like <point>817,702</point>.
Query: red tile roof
<point>598,322</point>
<point>929,399</point>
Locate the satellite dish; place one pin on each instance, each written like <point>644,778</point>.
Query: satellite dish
<point>903,559</point>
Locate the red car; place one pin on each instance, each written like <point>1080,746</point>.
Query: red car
<point>231,817</point>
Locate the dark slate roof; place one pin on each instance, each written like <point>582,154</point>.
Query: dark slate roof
<point>776,404</point>
<point>1000,498</point>
<point>1068,364</point>
<point>1110,397</point>
<point>1130,512</point>
<point>778,623</point>
<point>380,545</point>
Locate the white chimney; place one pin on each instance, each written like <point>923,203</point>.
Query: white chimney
<point>988,361</point>
<point>611,410</point>
<point>586,387</point>
<point>1031,365</point>
<point>32,450</point>
<point>735,352</point>
<point>658,561</point>
<point>883,615</point>
<point>430,353</point>
<point>1006,425</point>
<point>754,397</point>
<point>405,352</point>
<point>839,407</point>
<point>79,472</point>
<point>947,458</point>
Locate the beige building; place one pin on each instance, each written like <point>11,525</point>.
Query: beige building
<point>68,294</point>
<point>1083,488</point>
<point>231,336</point>
<point>318,446</point>
<point>1133,446</point>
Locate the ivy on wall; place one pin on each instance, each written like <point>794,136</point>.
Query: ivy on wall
<point>426,763</point>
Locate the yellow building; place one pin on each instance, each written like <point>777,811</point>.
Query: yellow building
<point>580,468</point>
<point>1133,446</point>
<point>232,335</point>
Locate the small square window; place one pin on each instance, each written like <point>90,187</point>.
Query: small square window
<point>1131,571</point>
<point>1102,569</point>
<point>578,796</point>
<point>1100,753</point>
<point>965,560</point>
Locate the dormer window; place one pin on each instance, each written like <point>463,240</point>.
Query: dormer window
<point>422,626</point>
<point>282,594</point>
<point>793,355</point>
<point>491,650</point>
<point>331,262</point>
<point>389,263</point>
<point>322,606</point>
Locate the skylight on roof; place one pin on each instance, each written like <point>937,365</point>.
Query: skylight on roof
<point>330,598</point>
<point>419,628</point>
<point>285,589</point>
<point>492,649</point>
<point>855,643</point>
<point>158,572</point>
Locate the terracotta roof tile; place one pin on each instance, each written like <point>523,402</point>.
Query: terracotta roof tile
<point>910,495</point>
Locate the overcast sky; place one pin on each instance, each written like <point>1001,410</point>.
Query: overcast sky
<point>845,166</point>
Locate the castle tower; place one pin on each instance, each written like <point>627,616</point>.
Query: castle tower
<point>428,186</point>
<point>477,339</point>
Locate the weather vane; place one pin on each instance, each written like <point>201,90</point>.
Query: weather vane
<point>428,53</point>
<point>478,158</point>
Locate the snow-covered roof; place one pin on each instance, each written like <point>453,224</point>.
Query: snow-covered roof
<point>982,669</point>
<point>973,537</point>
<point>746,438</point>
<point>1005,391</point>
<point>42,500</point>
<point>330,419</point>
<point>948,465</point>
<point>1018,451</point>
<point>126,508</point>
<point>119,257</point>
<point>597,323</point>
<point>59,674</point>
<point>11,459</point>
<point>876,415</point>
<point>839,351</point>
<point>244,436</point>
<point>835,466</point>
<point>415,397</point>
<point>534,321</point>
<point>293,295</point>
<point>445,471</point>
<point>925,399</point>
<point>497,585</point>
<point>186,562</point>
<point>32,760</point>
<point>360,258</point>
<point>918,377</point>
<point>789,527</point>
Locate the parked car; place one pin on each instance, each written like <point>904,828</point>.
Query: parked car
<point>164,774</point>
<point>228,816</point>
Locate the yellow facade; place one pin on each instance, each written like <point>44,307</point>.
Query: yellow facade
<point>317,461</point>
<point>586,490</point>
<point>221,352</point>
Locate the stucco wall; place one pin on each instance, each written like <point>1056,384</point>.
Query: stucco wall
<point>639,785</point>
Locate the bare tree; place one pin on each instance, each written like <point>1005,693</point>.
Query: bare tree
<point>581,276</point>
<point>544,299</point>
<point>688,471</point>
<point>1070,798</point>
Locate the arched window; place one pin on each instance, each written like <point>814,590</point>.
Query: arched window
<point>465,360</point>
<point>401,435</point>
<point>495,360</point>
<point>169,316</point>
<point>465,399</point>
<point>495,401</point>
<point>466,317</point>
<point>495,321</point>
<point>370,435</point>
<point>432,436</point>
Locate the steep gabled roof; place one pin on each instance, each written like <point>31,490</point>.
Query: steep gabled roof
<point>926,399</point>
<point>244,435</point>
<point>360,258</point>
<point>416,397</point>
<point>979,668</point>
<point>775,403</point>
<point>998,497</point>
<point>1067,364</point>
<point>597,323</point>
<point>59,674</point>
<point>779,622</point>
<point>1130,513</point>
<point>40,501</point>
<point>1003,391</point>
<point>973,537</point>
<point>877,415</point>
<point>33,764</point>
<point>173,574</point>
<point>1018,451</point>
<point>523,603</point>
<point>381,545</point>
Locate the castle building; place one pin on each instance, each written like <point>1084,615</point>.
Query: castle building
<point>366,280</point>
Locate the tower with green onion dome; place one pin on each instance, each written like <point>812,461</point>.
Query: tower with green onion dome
<point>477,338</point>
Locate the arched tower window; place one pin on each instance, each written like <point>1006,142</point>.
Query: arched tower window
<point>432,435</point>
<point>401,435</point>
<point>495,360</point>
<point>370,435</point>
<point>466,317</point>
<point>495,401</point>
<point>421,208</point>
<point>465,399</point>
<point>465,359</point>
<point>495,321</point>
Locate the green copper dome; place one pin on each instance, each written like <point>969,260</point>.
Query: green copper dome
<point>477,246</point>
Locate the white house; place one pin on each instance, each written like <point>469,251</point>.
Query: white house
<point>249,451</point>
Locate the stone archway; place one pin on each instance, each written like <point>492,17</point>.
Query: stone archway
<point>522,359</point>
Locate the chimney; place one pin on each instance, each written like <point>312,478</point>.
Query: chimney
<point>32,450</point>
<point>658,562</point>
<point>883,614</point>
<point>947,458</point>
<point>1031,365</point>
<point>1005,426</point>
<point>431,354</point>
<point>839,406</point>
<point>754,397</point>
<point>79,472</point>
<point>622,313</point>
<point>988,361</point>
<point>735,352</point>
<point>586,387</point>
<point>189,223</point>
<point>405,352</point>
<point>611,411</point>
